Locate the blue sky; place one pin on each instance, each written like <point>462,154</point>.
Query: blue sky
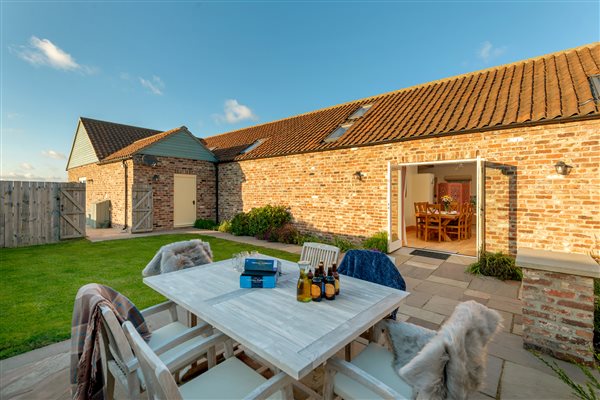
<point>219,66</point>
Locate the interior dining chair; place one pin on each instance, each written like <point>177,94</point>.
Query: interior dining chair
<point>449,363</point>
<point>420,211</point>
<point>457,226</point>
<point>231,379</point>
<point>317,252</point>
<point>119,362</point>
<point>468,228</point>
<point>433,221</point>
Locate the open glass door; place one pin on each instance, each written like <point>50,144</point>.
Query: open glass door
<point>480,205</point>
<point>395,208</point>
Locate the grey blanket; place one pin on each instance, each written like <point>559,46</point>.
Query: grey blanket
<point>449,364</point>
<point>179,255</point>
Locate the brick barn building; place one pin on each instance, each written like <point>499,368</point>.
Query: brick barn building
<point>497,138</point>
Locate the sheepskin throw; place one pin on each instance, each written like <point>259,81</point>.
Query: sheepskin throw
<point>451,364</point>
<point>179,255</point>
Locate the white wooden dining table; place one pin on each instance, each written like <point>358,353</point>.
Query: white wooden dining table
<point>293,336</point>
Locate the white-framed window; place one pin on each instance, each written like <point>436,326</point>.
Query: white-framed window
<point>82,179</point>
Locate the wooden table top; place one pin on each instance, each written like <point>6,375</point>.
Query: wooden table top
<point>295,337</point>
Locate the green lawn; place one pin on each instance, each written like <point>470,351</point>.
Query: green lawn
<point>38,283</point>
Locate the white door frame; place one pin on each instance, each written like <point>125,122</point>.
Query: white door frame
<point>480,206</point>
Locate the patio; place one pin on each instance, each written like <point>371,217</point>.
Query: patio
<point>436,286</point>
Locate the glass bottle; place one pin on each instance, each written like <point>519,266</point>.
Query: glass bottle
<point>322,274</point>
<point>330,285</point>
<point>303,287</point>
<point>315,287</point>
<point>336,276</point>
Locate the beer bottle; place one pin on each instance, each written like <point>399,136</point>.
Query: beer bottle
<point>315,287</point>
<point>330,285</point>
<point>322,273</point>
<point>336,276</point>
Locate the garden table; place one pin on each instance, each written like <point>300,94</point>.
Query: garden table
<point>293,336</point>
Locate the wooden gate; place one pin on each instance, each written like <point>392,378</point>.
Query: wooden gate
<point>30,212</point>
<point>141,211</point>
<point>72,210</point>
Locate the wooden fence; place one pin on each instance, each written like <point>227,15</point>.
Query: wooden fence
<point>40,212</point>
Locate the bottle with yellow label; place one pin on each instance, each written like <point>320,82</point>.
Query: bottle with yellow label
<point>315,287</point>
<point>330,285</point>
<point>303,286</point>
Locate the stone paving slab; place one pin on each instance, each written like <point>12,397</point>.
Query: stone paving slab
<point>417,299</point>
<point>446,281</point>
<point>414,272</point>
<point>441,305</point>
<point>521,382</point>
<point>421,313</point>
<point>493,372</point>
<point>439,289</point>
<point>427,260</point>
<point>453,271</point>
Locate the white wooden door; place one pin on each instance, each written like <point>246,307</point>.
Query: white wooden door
<point>184,200</point>
<point>395,208</point>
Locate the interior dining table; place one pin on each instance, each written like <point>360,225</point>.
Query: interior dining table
<point>447,217</point>
<point>293,336</point>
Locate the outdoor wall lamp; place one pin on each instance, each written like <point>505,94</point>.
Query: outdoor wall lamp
<point>155,178</point>
<point>359,175</point>
<point>562,168</point>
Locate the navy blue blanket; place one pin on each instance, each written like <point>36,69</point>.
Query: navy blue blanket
<point>372,266</point>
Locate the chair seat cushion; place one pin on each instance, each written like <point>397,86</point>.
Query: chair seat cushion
<point>377,361</point>
<point>232,379</point>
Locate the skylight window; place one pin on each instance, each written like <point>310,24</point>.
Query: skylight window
<point>335,135</point>
<point>360,112</point>
<point>252,146</point>
<point>595,84</point>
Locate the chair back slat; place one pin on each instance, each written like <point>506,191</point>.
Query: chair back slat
<point>160,384</point>
<point>117,346</point>
<point>316,252</point>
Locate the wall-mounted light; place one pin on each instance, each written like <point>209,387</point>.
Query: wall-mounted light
<point>562,168</point>
<point>359,175</point>
<point>155,178</point>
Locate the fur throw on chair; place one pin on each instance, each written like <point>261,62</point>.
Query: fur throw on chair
<point>452,362</point>
<point>179,255</point>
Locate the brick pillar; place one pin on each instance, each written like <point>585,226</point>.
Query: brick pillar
<point>558,303</point>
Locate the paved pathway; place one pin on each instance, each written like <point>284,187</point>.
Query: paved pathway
<point>436,287</point>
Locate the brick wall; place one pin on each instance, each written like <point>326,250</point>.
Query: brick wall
<point>163,188</point>
<point>107,182</point>
<point>558,314</point>
<point>526,203</point>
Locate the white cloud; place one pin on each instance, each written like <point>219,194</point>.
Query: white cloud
<point>155,85</point>
<point>235,112</point>
<point>54,154</point>
<point>12,115</point>
<point>16,176</point>
<point>26,166</point>
<point>487,52</point>
<point>42,52</point>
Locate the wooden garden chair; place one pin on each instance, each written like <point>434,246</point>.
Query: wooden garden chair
<point>231,379</point>
<point>317,252</point>
<point>119,362</point>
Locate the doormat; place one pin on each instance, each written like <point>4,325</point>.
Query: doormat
<point>430,254</point>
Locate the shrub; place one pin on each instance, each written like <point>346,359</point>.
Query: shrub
<point>286,234</point>
<point>239,225</point>
<point>498,265</point>
<point>343,244</point>
<point>308,238</point>
<point>266,219</point>
<point>225,226</point>
<point>378,241</point>
<point>205,224</point>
